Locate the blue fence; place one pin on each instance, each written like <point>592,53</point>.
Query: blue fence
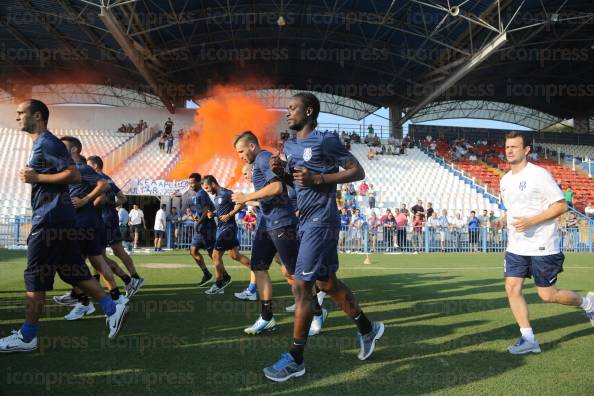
<point>365,239</point>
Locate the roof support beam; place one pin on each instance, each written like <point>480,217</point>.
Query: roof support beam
<point>472,63</point>
<point>134,55</point>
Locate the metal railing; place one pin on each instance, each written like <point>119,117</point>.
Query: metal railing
<point>364,239</point>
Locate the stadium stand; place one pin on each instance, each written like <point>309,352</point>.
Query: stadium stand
<point>15,148</point>
<point>406,178</point>
<point>574,150</point>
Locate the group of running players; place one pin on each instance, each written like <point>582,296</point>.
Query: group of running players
<point>298,225</point>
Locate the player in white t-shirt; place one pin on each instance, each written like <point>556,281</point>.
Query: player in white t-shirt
<point>160,226</point>
<point>533,201</point>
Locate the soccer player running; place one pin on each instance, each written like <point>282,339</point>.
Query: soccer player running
<point>52,245</point>
<point>115,197</point>
<point>90,227</point>
<point>226,237</point>
<point>204,228</point>
<point>276,226</point>
<point>313,160</point>
<point>533,201</point>
<point>111,236</point>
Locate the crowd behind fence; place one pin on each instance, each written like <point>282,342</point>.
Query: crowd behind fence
<point>365,239</point>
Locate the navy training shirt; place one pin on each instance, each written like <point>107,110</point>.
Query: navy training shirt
<point>321,153</point>
<point>86,216</point>
<point>50,202</point>
<point>275,212</point>
<point>109,213</point>
<point>224,205</point>
<point>200,202</point>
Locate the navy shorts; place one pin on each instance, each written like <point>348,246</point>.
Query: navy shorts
<point>266,244</point>
<point>52,249</point>
<point>91,241</point>
<point>226,239</point>
<point>204,241</point>
<point>544,269</point>
<point>114,235</point>
<point>159,233</point>
<point>318,253</point>
<point>102,234</point>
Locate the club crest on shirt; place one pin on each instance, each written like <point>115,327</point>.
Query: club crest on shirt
<point>220,200</point>
<point>307,154</point>
<point>522,185</point>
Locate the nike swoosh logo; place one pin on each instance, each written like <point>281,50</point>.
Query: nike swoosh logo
<point>306,273</point>
<point>35,233</point>
<point>280,235</point>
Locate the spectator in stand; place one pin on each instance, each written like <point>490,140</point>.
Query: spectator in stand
<point>473,231</point>
<point>418,223</point>
<point>389,224</point>
<point>401,223</point>
<point>188,217</point>
<point>429,212</point>
<point>371,197</point>
<point>160,227</point>
<point>433,225</point>
<point>385,216</point>
<point>345,193</point>
<point>363,188</point>
<point>357,223</point>
<point>169,142</point>
<point>168,126</point>
<point>494,227</point>
<point>372,227</point>
<point>484,219</point>
<point>457,226</point>
<point>174,219</point>
<point>444,224</point>
<point>345,221</point>
<point>162,140</point>
<point>352,190</point>
<point>589,210</point>
<point>136,223</point>
<point>403,209</point>
<point>370,130</point>
<point>249,221</point>
<point>418,208</point>
<point>571,231</point>
<point>568,194</point>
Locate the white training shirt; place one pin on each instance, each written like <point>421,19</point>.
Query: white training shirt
<point>136,216</point>
<point>160,220</point>
<point>526,194</point>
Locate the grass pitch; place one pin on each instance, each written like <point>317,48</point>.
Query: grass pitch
<point>447,329</point>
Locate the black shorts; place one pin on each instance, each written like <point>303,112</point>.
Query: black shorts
<point>266,244</point>
<point>159,233</point>
<point>137,228</point>
<point>114,235</point>
<point>91,241</point>
<point>473,236</point>
<point>51,249</point>
<point>226,240</point>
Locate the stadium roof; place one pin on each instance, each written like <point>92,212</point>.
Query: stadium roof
<point>407,53</point>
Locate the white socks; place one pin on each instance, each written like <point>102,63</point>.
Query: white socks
<point>321,296</point>
<point>586,304</point>
<point>527,334</point>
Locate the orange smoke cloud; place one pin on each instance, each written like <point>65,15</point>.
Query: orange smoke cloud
<point>208,149</point>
